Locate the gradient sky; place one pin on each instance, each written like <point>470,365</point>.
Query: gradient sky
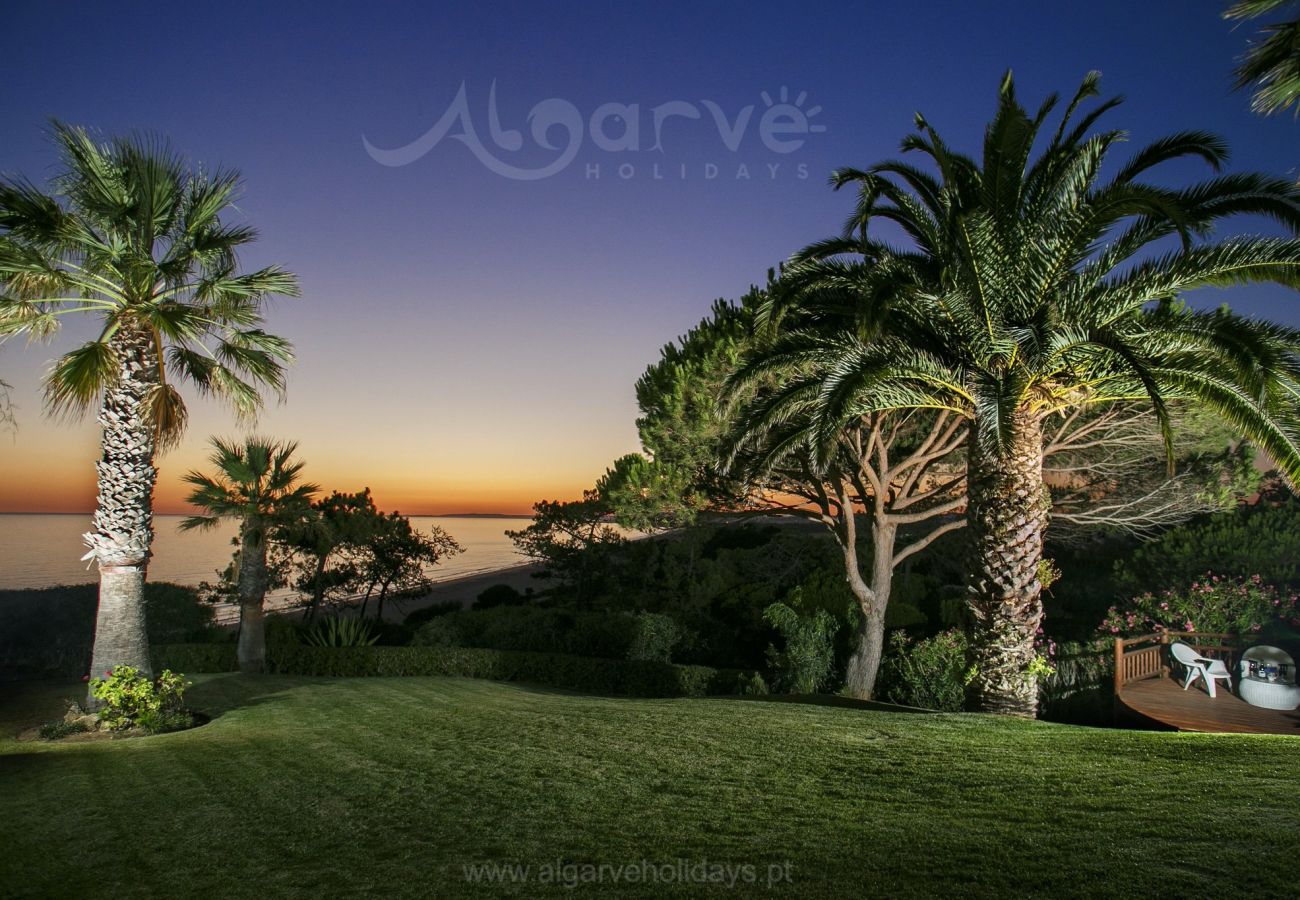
<point>469,342</point>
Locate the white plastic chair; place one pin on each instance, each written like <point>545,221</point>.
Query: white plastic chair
<point>1211,670</point>
<point>1273,656</point>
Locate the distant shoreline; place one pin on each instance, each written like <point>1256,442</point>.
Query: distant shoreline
<point>89,513</point>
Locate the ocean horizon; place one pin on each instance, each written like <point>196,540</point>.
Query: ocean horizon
<point>45,549</point>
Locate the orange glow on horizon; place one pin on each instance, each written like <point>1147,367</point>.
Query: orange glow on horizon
<point>62,479</point>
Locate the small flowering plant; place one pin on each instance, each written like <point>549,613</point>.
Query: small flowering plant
<point>133,700</point>
<point>1212,604</point>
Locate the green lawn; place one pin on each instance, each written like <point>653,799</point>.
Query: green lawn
<point>301,787</point>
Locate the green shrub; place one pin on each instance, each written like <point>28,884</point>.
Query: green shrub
<point>904,615</point>
<point>498,595</point>
<point>1215,604</point>
<point>440,632</point>
<point>48,632</point>
<point>1261,540</point>
<point>282,630</point>
<point>655,637</point>
<point>608,634</point>
<point>639,678</point>
<point>175,613</point>
<point>751,685</point>
<point>198,657</point>
<point>61,728</point>
<point>392,634</point>
<point>805,663</point>
<point>130,699</point>
<point>929,673</point>
<point>428,613</point>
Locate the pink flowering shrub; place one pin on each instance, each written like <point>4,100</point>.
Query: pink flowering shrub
<point>1212,604</point>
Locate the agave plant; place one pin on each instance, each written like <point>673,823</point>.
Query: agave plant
<point>341,632</point>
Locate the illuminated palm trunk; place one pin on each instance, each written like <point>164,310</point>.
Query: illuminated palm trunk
<point>1007,517</point>
<point>123,521</point>
<point>251,648</point>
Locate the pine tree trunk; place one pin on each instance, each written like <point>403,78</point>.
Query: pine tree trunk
<point>873,600</point>
<point>251,649</point>
<point>1007,516</point>
<point>123,523</point>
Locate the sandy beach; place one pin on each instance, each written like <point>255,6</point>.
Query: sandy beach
<point>465,590</point>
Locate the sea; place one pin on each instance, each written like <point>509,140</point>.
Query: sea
<point>39,550</point>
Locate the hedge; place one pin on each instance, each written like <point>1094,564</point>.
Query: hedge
<point>194,657</point>
<point>633,678</point>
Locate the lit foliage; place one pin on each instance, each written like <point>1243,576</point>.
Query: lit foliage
<point>805,662</point>
<point>1033,285</point>
<point>1259,540</point>
<point>133,700</point>
<point>132,236</point>
<point>929,673</point>
<point>1213,604</point>
<point>1271,65</point>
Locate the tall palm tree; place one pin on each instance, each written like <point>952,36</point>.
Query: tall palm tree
<point>1271,64</point>
<point>257,485</point>
<point>1028,287</point>
<point>131,236</point>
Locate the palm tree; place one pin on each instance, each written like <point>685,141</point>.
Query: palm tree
<point>1271,65</point>
<point>256,484</point>
<point>133,237</point>
<point>1030,287</point>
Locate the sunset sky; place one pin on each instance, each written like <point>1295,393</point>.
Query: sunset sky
<point>468,341</point>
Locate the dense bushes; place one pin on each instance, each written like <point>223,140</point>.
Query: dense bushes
<point>498,595</point>
<point>1214,604</point>
<point>609,634</point>
<point>196,657</point>
<point>47,632</point>
<point>131,700</point>
<point>654,637</point>
<point>428,613</point>
<point>806,660</point>
<point>929,673</point>
<point>1261,540</point>
<point>637,678</point>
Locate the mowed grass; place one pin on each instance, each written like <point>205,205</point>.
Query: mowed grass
<point>392,787</point>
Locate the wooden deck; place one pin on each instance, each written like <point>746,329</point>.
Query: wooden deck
<point>1163,700</point>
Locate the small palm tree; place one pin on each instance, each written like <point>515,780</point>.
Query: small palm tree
<point>1271,64</point>
<point>133,237</point>
<point>256,484</point>
<point>1030,287</point>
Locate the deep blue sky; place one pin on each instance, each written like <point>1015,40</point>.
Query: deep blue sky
<point>467,339</point>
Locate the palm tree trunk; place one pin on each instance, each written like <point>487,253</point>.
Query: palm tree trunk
<point>251,649</point>
<point>873,600</point>
<point>123,523</point>
<point>1007,516</point>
